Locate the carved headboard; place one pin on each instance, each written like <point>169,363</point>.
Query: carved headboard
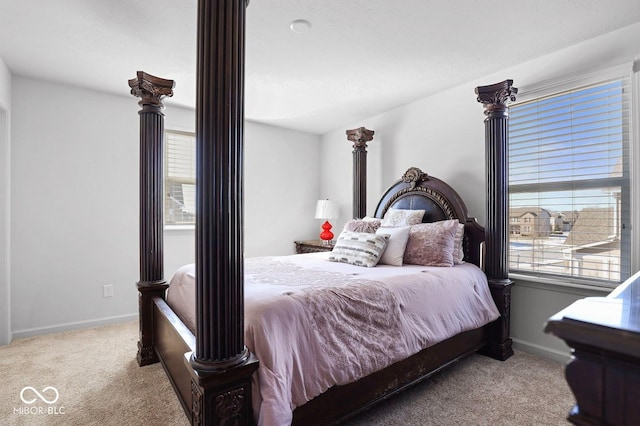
<point>417,190</point>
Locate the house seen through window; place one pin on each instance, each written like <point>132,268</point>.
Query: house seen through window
<point>569,184</point>
<point>180,178</point>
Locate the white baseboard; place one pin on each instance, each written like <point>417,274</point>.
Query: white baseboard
<point>17,334</point>
<point>5,338</point>
<point>543,351</point>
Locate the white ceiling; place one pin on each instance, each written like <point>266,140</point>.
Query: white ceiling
<point>361,57</point>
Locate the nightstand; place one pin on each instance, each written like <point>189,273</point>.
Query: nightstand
<point>313,246</point>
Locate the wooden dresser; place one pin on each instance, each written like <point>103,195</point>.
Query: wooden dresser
<point>604,371</point>
<point>313,246</point>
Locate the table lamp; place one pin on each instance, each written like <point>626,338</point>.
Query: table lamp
<point>326,210</point>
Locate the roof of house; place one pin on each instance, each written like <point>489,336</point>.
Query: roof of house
<point>592,225</point>
<point>521,211</point>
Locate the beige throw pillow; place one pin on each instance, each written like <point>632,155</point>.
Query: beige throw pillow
<point>359,225</point>
<point>431,244</point>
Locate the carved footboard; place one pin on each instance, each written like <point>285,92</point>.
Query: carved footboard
<point>174,340</point>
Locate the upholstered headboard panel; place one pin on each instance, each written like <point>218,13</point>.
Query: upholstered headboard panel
<point>433,211</point>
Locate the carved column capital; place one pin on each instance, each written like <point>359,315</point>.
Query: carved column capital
<point>495,97</point>
<point>360,137</point>
<point>150,89</point>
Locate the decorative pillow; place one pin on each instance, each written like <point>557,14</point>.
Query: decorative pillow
<point>458,251</point>
<point>358,248</point>
<point>402,217</point>
<point>431,244</point>
<point>394,252</point>
<point>359,225</point>
<point>372,219</point>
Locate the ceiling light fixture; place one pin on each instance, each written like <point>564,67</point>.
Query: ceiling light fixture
<point>300,26</point>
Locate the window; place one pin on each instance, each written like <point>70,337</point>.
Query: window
<point>569,179</point>
<point>180,178</point>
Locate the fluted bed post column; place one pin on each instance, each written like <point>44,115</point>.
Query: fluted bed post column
<point>151,90</point>
<point>360,137</point>
<point>495,98</point>
<point>222,365</point>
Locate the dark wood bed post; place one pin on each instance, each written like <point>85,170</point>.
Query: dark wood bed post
<point>495,98</point>
<point>222,364</point>
<point>151,90</point>
<point>360,137</point>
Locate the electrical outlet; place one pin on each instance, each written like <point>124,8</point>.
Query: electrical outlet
<point>107,290</point>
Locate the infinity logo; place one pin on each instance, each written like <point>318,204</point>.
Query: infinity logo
<point>39,395</point>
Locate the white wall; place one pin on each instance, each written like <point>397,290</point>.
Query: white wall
<point>74,228</point>
<point>282,178</point>
<point>417,135</point>
<point>5,135</point>
<point>5,85</point>
<point>74,204</point>
<point>444,136</point>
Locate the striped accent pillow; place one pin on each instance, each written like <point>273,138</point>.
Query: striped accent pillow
<point>359,248</point>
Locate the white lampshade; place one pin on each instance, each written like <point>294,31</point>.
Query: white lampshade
<point>326,209</point>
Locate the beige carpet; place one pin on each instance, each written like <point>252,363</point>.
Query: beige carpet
<point>524,390</point>
<point>97,378</point>
<point>97,382</point>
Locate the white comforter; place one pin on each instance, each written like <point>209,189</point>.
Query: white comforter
<point>314,324</point>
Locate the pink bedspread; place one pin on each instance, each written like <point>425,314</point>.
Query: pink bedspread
<point>314,324</point>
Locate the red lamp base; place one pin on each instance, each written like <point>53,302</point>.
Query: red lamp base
<point>326,235</point>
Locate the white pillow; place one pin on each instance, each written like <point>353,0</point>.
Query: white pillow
<point>394,252</point>
<point>371,219</point>
<point>402,217</point>
<point>358,248</point>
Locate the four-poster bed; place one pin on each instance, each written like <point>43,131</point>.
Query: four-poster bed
<point>212,369</point>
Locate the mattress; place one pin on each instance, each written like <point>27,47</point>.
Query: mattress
<point>314,324</point>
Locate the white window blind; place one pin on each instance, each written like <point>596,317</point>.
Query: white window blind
<point>180,178</point>
<point>569,184</point>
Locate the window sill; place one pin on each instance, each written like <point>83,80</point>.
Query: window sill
<point>179,228</point>
<point>564,285</point>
